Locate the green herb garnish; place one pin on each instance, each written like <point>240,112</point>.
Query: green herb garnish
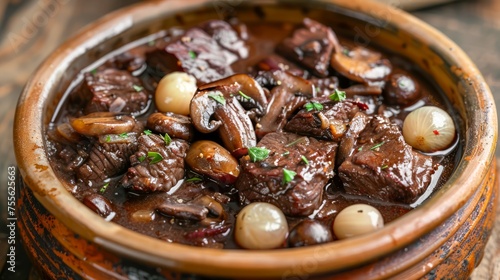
<point>286,153</point>
<point>384,166</point>
<point>338,95</point>
<point>147,132</point>
<point>244,95</point>
<point>258,154</point>
<point>142,158</point>
<point>217,96</point>
<point>377,146</point>
<point>137,88</point>
<point>313,106</point>
<point>288,175</point>
<point>167,139</point>
<point>360,149</point>
<point>155,157</point>
<point>192,54</point>
<point>123,135</point>
<point>108,138</point>
<point>94,71</point>
<point>295,142</point>
<point>194,179</point>
<point>346,52</point>
<point>104,187</point>
<point>151,43</point>
<point>304,159</point>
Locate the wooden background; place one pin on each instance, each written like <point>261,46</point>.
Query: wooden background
<point>31,29</point>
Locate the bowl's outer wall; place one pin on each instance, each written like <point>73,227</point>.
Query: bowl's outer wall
<point>442,59</point>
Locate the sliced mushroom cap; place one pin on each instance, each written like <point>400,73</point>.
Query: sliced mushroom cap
<point>101,123</point>
<point>216,106</point>
<point>361,65</point>
<point>175,125</point>
<point>288,93</point>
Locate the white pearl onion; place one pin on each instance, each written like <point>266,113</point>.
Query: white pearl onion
<point>261,225</point>
<point>174,93</point>
<point>356,220</point>
<point>429,129</point>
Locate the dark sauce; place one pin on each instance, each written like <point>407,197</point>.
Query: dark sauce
<point>262,40</point>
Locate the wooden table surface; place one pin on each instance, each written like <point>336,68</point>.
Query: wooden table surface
<point>31,29</point>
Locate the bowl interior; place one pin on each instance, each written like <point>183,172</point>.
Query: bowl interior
<point>365,22</point>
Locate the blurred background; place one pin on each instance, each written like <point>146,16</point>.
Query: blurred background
<point>31,29</point>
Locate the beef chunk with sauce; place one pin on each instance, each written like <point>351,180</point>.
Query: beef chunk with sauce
<point>311,45</point>
<point>112,90</point>
<point>329,123</point>
<point>207,58</point>
<point>106,160</point>
<point>156,166</point>
<point>382,166</point>
<point>312,161</point>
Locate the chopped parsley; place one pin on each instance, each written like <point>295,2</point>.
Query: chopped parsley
<point>167,139</point>
<point>142,158</point>
<point>338,95</point>
<point>244,95</point>
<point>295,142</point>
<point>123,135</point>
<point>104,187</point>
<point>288,175</point>
<point>192,54</point>
<point>217,96</point>
<point>137,88</point>
<point>258,154</point>
<point>360,149</point>
<point>147,132</point>
<point>384,166</point>
<point>304,159</point>
<point>377,146</point>
<point>346,52</point>
<point>94,71</point>
<point>286,153</point>
<point>108,138</point>
<point>313,106</point>
<point>155,157</point>
<point>194,179</point>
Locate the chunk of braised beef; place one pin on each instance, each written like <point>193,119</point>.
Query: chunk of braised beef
<point>196,53</point>
<point>113,90</point>
<point>227,37</point>
<point>156,166</point>
<point>263,181</point>
<point>330,123</point>
<point>311,45</point>
<point>105,160</point>
<point>383,166</point>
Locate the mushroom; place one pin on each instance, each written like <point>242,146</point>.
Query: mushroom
<point>288,93</point>
<point>222,105</point>
<point>175,125</point>
<point>100,123</point>
<point>361,64</point>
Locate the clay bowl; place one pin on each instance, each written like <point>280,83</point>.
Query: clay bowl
<point>443,238</point>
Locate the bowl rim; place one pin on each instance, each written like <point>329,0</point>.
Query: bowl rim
<point>481,137</point>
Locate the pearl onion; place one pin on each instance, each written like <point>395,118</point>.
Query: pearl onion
<point>356,220</point>
<point>261,225</point>
<point>429,129</point>
<point>174,93</point>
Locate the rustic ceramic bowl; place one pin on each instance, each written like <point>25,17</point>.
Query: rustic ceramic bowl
<point>444,237</point>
